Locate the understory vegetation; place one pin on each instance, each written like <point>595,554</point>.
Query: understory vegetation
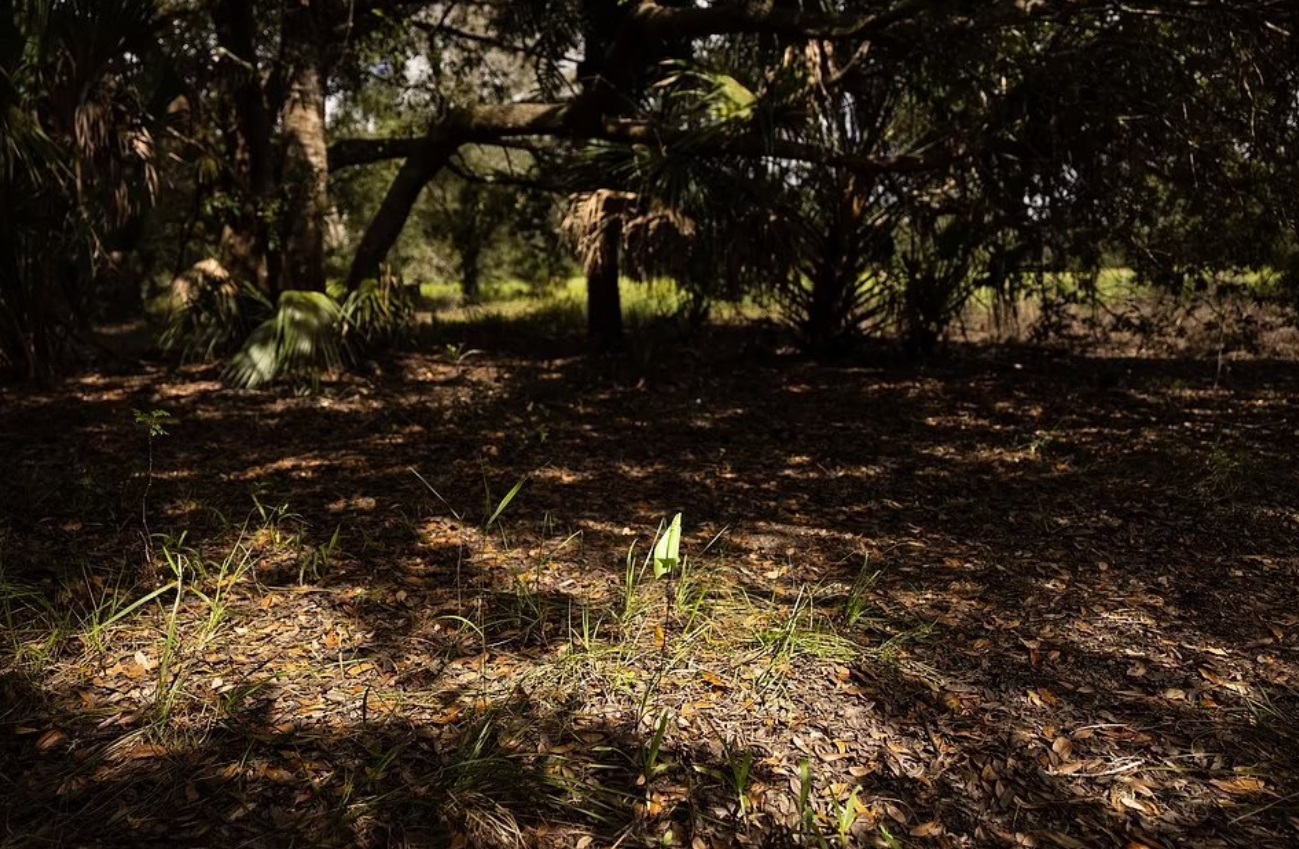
<point>653,423</point>
<point>997,601</point>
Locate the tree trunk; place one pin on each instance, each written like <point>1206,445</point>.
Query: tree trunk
<point>245,240</point>
<point>307,54</point>
<point>603,300</point>
<point>306,176</point>
<point>470,275</point>
<point>469,230</point>
<point>602,23</point>
<point>388,222</point>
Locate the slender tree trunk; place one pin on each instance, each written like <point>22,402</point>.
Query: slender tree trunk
<point>245,240</point>
<point>603,300</point>
<point>471,274</point>
<point>387,224</point>
<point>602,22</point>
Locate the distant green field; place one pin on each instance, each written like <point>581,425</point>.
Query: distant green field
<point>516,299</point>
<point>563,307</point>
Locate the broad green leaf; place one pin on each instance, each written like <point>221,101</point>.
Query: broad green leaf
<point>667,553</point>
<point>731,99</point>
<point>302,338</point>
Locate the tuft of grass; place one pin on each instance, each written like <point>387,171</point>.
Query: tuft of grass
<point>857,606</point>
<point>803,632</point>
<point>318,560</point>
<point>737,775</point>
<point>35,631</point>
<point>502,505</point>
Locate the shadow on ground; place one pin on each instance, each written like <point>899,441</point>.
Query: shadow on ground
<point>1076,575</point>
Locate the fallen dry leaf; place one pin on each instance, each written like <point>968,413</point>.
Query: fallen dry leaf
<point>51,739</point>
<point>1240,785</point>
<point>932,828</point>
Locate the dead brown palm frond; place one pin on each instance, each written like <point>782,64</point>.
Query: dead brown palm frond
<point>659,242</point>
<point>76,163</point>
<point>588,222</point>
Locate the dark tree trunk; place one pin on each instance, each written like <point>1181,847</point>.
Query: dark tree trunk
<point>245,240</point>
<point>470,229</point>
<point>603,300</point>
<point>386,226</point>
<point>602,23</point>
<point>281,190</point>
<point>306,179</point>
<point>471,275</point>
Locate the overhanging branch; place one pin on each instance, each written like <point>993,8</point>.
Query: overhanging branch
<point>492,124</point>
<point>659,21</point>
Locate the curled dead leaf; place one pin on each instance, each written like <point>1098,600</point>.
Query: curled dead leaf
<point>933,828</point>
<point>1240,785</point>
<point>50,740</point>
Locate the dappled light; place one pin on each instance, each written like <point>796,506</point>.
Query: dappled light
<point>653,423</point>
<point>978,603</point>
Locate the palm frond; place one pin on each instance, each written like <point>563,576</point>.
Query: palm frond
<point>210,313</point>
<point>301,341</point>
<point>589,218</point>
<point>380,312</point>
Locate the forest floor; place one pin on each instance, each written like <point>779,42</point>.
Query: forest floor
<point>1011,599</point>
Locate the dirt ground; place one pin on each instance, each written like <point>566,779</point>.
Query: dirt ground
<point>1013,598</point>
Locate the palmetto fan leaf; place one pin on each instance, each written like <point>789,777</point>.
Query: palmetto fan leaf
<point>211,313</point>
<point>302,339</point>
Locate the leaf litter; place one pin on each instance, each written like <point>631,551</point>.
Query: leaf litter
<point>957,606</point>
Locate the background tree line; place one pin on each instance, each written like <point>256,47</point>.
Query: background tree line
<point>865,167</point>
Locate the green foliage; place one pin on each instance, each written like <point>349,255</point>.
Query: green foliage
<point>76,166</point>
<point>504,503</point>
<point>857,605</point>
<point>379,314</point>
<point>297,339</point>
<point>864,180</point>
<point>214,316</point>
<point>299,342</point>
<point>152,421</point>
<point>667,551</point>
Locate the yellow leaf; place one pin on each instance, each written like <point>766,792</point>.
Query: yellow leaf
<point>449,717</point>
<point>715,680</point>
<point>145,751</point>
<point>1240,785</point>
<point>1136,804</point>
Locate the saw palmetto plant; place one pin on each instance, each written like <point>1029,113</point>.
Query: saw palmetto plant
<point>76,162</point>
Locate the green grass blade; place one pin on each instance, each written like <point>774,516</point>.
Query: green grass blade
<point>505,502</point>
<point>126,611</point>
